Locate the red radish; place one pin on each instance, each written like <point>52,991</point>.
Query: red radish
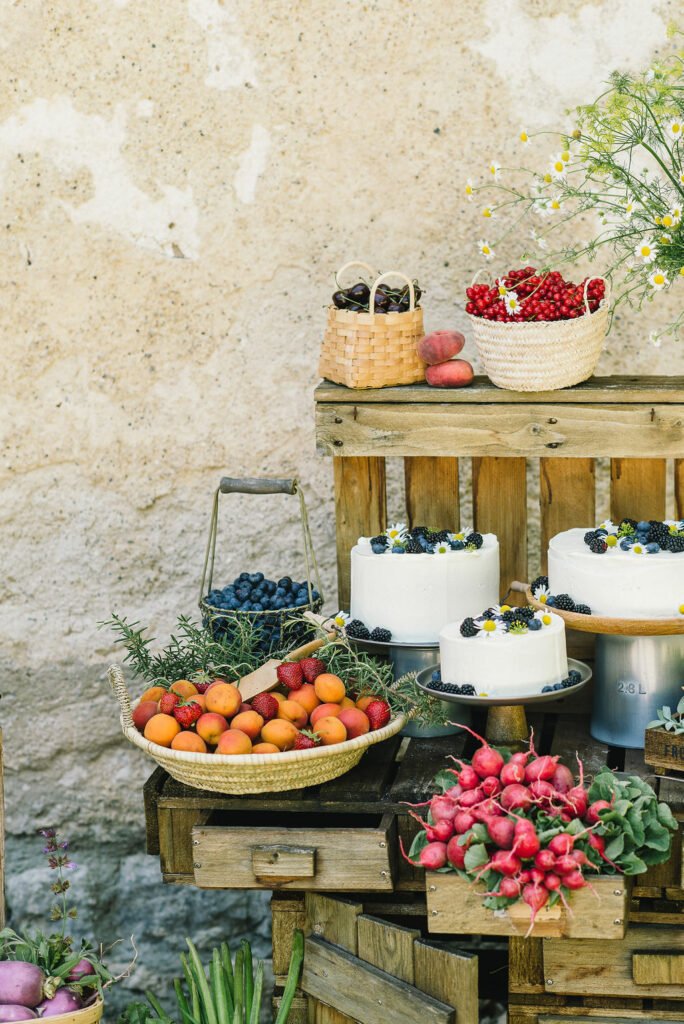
<point>581,860</point>
<point>524,877</point>
<point>453,792</point>
<point>433,856</point>
<point>552,881</point>
<point>593,815</point>
<point>505,862</point>
<point>574,880</point>
<point>566,864</point>
<point>512,772</point>
<point>561,844</point>
<point>456,854</point>
<point>510,888</point>
<point>441,831</point>
<point>468,777</point>
<point>516,795</point>
<point>526,842</point>
<point>545,860</point>
<point>541,768</point>
<point>562,779</point>
<point>442,807</point>
<point>491,786</point>
<point>598,843</point>
<point>521,757</point>
<point>463,822</point>
<point>542,790</point>
<point>577,800</point>
<point>486,761</point>
<point>536,876</point>
<point>471,797</point>
<point>535,897</point>
<point>487,809</point>
<point>501,831</point>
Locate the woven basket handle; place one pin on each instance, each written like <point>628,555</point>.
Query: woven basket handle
<point>354,263</point>
<point>257,485</point>
<point>482,270</point>
<point>118,685</point>
<point>379,280</point>
<point>586,286</point>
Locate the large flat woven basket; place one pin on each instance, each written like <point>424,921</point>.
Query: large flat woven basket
<point>250,773</point>
<point>541,355</point>
<point>373,350</point>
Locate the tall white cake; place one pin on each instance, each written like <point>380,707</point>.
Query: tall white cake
<point>415,595</point>
<point>628,584</point>
<point>501,663</point>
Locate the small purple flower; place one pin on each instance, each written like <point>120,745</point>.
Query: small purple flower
<point>47,833</point>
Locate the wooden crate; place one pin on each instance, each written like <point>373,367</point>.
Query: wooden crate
<point>454,907</point>
<point>664,751</point>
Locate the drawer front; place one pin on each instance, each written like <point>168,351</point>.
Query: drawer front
<point>648,962</point>
<point>323,859</point>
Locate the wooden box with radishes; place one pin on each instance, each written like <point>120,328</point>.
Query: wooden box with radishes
<point>513,844</point>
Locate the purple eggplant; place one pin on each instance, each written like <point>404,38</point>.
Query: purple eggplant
<point>20,983</point>
<point>15,1011</point>
<point>82,969</point>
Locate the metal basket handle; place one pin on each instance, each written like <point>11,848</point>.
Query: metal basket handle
<point>260,485</point>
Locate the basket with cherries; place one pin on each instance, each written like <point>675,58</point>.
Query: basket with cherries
<point>524,295</point>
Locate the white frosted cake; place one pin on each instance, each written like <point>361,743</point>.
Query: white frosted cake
<point>620,575</point>
<point>413,593</point>
<point>499,658</point>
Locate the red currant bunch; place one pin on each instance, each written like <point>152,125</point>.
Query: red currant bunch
<point>543,296</point>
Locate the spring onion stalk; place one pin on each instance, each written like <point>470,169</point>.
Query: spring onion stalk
<point>238,1015</point>
<point>182,1001</point>
<point>296,961</point>
<point>157,1007</point>
<point>228,969</point>
<point>248,977</point>
<point>192,986</point>
<point>202,985</point>
<point>217,981</point>
<point>258,988</point>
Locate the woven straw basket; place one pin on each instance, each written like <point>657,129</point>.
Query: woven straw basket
<point>250,773</point>
<point>373,350</point>
<point>542,356</point>
<point>88,1015</point>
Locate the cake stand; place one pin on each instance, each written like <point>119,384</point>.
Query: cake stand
<point>411,657</point>
<point>506,718</point>
<point>638,667</point>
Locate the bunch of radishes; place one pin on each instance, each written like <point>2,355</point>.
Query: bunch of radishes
<point>517,822</point>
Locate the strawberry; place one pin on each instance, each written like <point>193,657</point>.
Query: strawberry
<point>265,705</point>
<point>202,680</point>
<point>168,702</point>
<point>312,668</point>
<point>379,714</point>
<point>305,740</point>
<point>290,675</point>
<point>187,714</point>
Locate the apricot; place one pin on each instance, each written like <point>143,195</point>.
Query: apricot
<point>184,688</point>
<point>280,733</point>
<point>187,740</point>
<point>280,697</point>
<point>224,699</point>
<point>154,693</point>
<point>346,702</point>
<point>145,710</point>
<point>329,688</point>
<point>439,346</point>
<point>265,748</point>
<point>455,373</point>
<point>331,730</point>
<point>210,726</point>
<point>363,702</point>
<point>293,712</point>
<point>199,698</point>
<point>234,741</point>
<point>355,722</point>
<point>249,722</point>
<point>306,696</point>
<point>325,711</point>
<point>161,729</point>
<point>244,707</point>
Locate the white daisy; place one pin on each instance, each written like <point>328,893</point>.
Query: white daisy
<point>555,204</point>
<point>676,214</point>
<point>546,618</point>
<point>558,168</point>
<point>658,280</point>
<point>628,208</point>
<point>542,207</point>
<point>462,533</point>
<point>488,212</point>
<point>540,242</point>
<point>396,532</point>
<point>541,593</point>
<point>500,286</point>
<point>485,249</point>
<point>681,178</point>
<point>499,609</point>
<point>511,303</point>
<point>655,339</point>
<point>666,221</point>
<point>340,619</point>
<point>645,251</point>
<point>565,156</point>
<point>441,548</point>
<point>495,170</point>
<point>638,549</point>
<point>469,190</point>
<point>675,127</point>
<point>523,137</point>
<point>492,627</point>
<point>608,525</point>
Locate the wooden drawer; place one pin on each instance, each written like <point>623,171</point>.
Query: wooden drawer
<point>649,961</point>
<point>343,853</point>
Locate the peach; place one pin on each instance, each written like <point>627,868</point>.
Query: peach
<point>363,702</point>
<point>210,726</point>
<point>233,741</point>
<point>355,722</point>
<point>189,741</point>
<point>224,699</point>
<point>143,712</point>
<point>346,702</point>
<point>244,707</point>
<point>280,697</point>
<point>280,733</point>
<point>329,688</point>
<point>293,712</point>
<point>161,729</point>
<point>456,373</point>
<point>154,693</point>
<point>324,711</point>
<point>306,696</point>
<point>249,722</point>
<point>439,346</point>
<point>199,698</point>
<point>265,748</point>
<point>184,688</point>
<point>331,730</point>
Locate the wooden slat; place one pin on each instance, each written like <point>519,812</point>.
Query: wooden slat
<point>387,946</point>
<point>360,510</point>
<point>151,791</point>
<point>368,780</point>
<point>637,488</point>
<point>432,492</point>
<point>525,965</point>
<point>287,915</point>
<point>175,837</point>
<point>319,1013</point>
<point>679,487</point>
<point>363,992</point>
<point>658,968</point>
<point>566,496</point>
<point>334,920</point>
<point>500,507</point>
<point>580,431</point>
<point>298,1011</point>
<point>272,863</point>
<point>450,977</point>
<point>616,389</point>
<point>421,762</point>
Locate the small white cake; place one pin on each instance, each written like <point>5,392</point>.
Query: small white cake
<point>623,584</point>
<point>501,663</point>
<point>414,595</point>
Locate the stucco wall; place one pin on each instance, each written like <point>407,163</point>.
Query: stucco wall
<point>178,181</point>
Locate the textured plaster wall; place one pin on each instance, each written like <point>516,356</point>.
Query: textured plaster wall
<point>178,180</point>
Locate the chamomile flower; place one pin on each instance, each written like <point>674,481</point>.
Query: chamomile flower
<point>523,137</point>
<point>565,156</point>
<point>495,170</point>
<point>628,208</point>
<point>491,627</point>
<point>340,619</point>
<point>462,534</point>
<point>546,618</point>
<point>441,548</point>
<point>655,339</point>
<point>469,190</point>
<point>485,249</point>
<point>558,168</point>
<point>676,214</point>
<point>674,128</point>
<point>638,549</point>
<point>540,242</point>
<point>645,251</point>
<point>608,525</point>
<point>512,303</point>
<point>658,280</point>
<point>541,593</point>
<point>666,221</point>
<point>664,239</point>
<point>681,178</point>
<point>396,532</point>
<point>488,212</point>
<point>500,286</point>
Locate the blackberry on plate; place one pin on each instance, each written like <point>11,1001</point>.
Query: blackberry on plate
<point>451,688</point>
<point>468,690</point>
<point>566,683</point>
<point>437,684</point>
<point>468,627</point>
<point>474,540</point>
<point>583,609</point>
<point>431,537</point>
<point>357,630</point>
<point>598,546</point>
<point>574,675</point>
<point>380,635</point>
<point>565,603</point>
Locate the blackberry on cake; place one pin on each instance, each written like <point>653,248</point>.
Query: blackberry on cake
<point>468,627</point>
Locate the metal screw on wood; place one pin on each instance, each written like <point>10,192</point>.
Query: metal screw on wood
<point>618,920</point>
<point>433,888</point>
<point>552,419</point>
<point>338,443</point>
<point>338,419</point>
<point>382,845</point>
<point>195,842</point>
<point>549,981</point>
<point>617,892</point>
<point>196,865</point>
<point>434,913</point>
